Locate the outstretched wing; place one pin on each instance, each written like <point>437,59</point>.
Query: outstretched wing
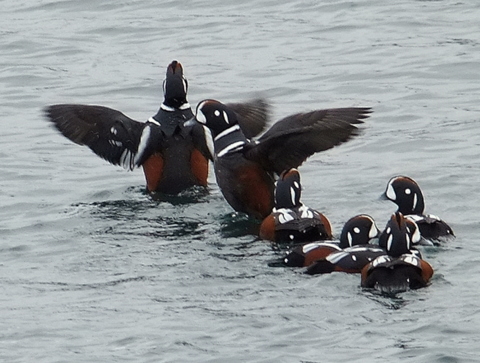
<point>107,132</point>
<point>293,139</point>
<point>253,116</point>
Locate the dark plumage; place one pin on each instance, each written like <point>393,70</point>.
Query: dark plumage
<point>245,169</point>
<point>174,157</point>
<point>401,268</point>
<point>407,195</point>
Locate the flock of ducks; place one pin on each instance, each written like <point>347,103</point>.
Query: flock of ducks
<point>257,175</point>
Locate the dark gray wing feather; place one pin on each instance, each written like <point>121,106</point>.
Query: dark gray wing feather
<point>290,141</point>
<point>107,132</point>
<point>253,116</point>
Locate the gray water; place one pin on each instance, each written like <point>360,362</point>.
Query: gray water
<point>93,270</point>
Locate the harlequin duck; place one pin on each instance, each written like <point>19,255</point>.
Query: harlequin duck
<point>400,269</point>
<point>357,232</point>
<point>356,251</point>
<point>412,230</point>
<point>245,169</point>
<point>406,194</point>
<point>174,157</point>
<point>290,220</point>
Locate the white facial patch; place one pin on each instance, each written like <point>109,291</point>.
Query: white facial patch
<point>217,113</point>
<point>408,191</point>
<point>225,117</point>
<point>113,130</point>
<point>349,238</point>
<point>200,116</point>
<point>390,193</point>
<point>414,201</point>
<point>373,230</point>
<point>356,230</point>
<point>296,185</point>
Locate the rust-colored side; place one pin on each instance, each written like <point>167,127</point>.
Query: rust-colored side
<point>257,191</point>
<point>326,225</point>
<point>318,253</point>
<point>153,170</point>
<point>427,271</point>
<point>267,228</point>
<point>199,165</point>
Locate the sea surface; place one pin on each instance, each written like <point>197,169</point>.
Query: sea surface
<point>92,269</point>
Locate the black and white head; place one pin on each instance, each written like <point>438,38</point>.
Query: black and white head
<point>216,116</point>
<point>397,235</point>
<point>358,230</point>
<point>406,194</point>
<point>288,190</point>
<point>413,230</point>
<point>175,88</point>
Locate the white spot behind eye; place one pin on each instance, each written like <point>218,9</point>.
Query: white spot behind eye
<point>217,113</point>
<point>389,242</point>
<point>225,117</point>
<point>184,85</point>
<point>113,130</point>
<point>407,191</point>
<point>356,230</point>
<point>292,195</point>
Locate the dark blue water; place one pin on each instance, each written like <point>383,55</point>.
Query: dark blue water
<point>94,270</point>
